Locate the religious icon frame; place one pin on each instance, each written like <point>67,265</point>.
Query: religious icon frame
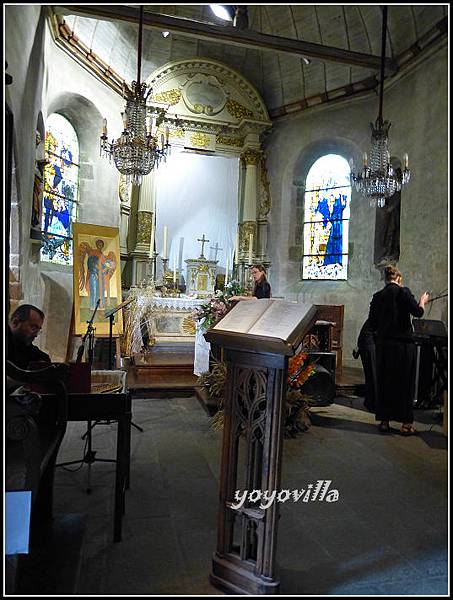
<point>91,283</point>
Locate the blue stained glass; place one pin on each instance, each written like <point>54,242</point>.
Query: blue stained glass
<point>60,197</point>
<point>326,219</point>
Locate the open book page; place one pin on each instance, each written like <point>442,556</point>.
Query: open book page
<point>244,315</point>
<point>280,320</point>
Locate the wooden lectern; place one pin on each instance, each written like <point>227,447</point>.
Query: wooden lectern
<point>258,337</point>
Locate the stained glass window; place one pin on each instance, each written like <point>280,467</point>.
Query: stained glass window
<point>326,219</point>
<point>61,190</point>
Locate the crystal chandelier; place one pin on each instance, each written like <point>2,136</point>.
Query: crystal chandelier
<point>378,180</point>
<point>138,150</point>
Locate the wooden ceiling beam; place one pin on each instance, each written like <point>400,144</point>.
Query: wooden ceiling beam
<point>226,34</point>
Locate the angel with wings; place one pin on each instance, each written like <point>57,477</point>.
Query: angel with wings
<point>99,271</point>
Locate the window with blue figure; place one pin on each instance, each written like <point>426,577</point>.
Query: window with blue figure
<point>61,184</point>
<point>326,219</point>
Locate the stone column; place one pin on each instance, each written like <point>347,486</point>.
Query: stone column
<point>250,159</point>
<point>146,207</point>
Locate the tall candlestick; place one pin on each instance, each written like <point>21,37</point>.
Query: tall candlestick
<point>236,250</point>
<point>250,248</point>
<point>227,269</point>
<point>164,251</point>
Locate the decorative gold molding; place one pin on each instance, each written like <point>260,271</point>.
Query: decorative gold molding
<point>144,221</point>
<point>171,97</point>
<point>229,141</point>
<point>245,229</point>
<point>177,133</point>
<point>237,110</point>
<point>200,139</point>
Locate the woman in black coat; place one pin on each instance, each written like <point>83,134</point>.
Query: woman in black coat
<point>390,317</point>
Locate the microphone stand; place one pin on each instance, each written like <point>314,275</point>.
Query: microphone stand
<point>90,335</point>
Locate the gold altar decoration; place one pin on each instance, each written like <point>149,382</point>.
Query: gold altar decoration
<point>245,229</point>
<point>170,97</point>
<point>251,156</point>
<point>237,110</point>
<point>229,141</point>
<point>144,223</point>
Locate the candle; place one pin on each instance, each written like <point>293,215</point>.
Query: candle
<point>174,273</point>
<point>161,140</point>
<point>365,159</point>
<point>226,270</point>
<point>164,251</point>
<point>250,248</point>
<point>406,161</point>
<point>124,115</point>
<point>152,125</point>
<point>153,235</point>
<point>167,135</point>
<point>104,126</point>
<point>236,250</point>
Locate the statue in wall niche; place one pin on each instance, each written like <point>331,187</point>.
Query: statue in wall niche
<point>387,230</point>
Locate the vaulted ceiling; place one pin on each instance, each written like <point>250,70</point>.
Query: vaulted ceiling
<point>340,43</point>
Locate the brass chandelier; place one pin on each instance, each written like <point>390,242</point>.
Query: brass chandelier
<point>378,180</point>
<point>138,150</point>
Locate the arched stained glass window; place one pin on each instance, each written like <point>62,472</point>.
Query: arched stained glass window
<point>326,219</point>
<point>61,190</point>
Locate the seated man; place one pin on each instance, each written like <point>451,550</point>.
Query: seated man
<point>24,325</point>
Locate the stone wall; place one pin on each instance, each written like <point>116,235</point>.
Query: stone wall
<point>46,80</point>
<point>419,127</point>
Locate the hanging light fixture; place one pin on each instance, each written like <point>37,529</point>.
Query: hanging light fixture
<point>138,150</point>
<point>378,180</point>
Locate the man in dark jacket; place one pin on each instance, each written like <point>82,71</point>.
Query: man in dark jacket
<point>24,325</point>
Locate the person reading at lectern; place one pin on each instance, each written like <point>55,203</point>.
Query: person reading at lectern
<point>390,317</point>
<point>262,288</point>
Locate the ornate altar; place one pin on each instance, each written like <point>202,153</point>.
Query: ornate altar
<point>201,274</point>
<point>154,319</point>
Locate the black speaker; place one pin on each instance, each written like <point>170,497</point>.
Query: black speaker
<point>327,360</point>
<point>320,387</point>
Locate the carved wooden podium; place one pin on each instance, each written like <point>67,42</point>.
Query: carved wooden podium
<point>257,363</point>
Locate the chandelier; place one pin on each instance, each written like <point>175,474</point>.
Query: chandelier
<point>379,180</point>
<point>138,150</point>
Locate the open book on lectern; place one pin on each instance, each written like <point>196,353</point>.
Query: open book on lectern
<point>277,322</point>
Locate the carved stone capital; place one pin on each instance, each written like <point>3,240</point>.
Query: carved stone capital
<point>251,157</point>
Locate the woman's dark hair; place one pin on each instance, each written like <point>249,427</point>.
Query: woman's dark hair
<point>391,273</point>
<point>260,268</point>
<point>22,313</point>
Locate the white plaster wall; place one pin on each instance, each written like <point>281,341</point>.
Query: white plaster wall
<point>419,127</point>
<point>47,80</point>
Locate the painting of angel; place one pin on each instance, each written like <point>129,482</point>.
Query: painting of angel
<point>97,276</point>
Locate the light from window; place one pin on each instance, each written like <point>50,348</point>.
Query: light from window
<point>326,219</point>
<point>61,190</point>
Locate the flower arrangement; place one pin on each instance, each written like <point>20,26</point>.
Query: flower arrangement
<point>210,313</point>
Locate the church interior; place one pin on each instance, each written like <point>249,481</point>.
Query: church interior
<point>157,158</point>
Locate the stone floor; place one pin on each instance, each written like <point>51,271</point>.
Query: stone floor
<point>386,535</point>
